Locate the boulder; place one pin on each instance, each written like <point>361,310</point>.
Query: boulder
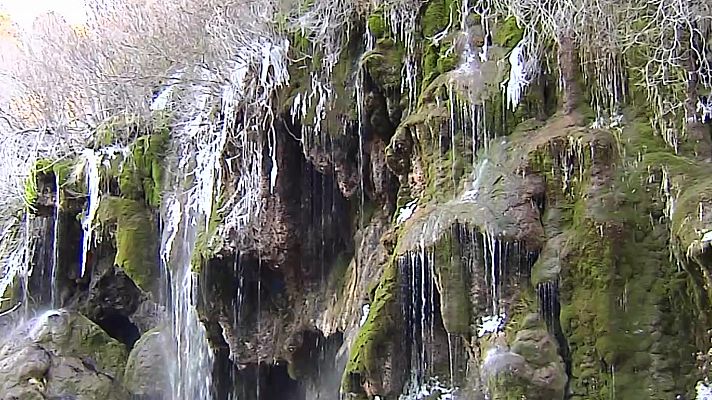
<point>61,355</point>
<point>146,375</point>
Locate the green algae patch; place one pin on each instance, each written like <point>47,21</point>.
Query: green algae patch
<point>384,65</point>
<point>377,25</point>
<point>452,283</point>
<point>508,33</point>
<point>44,170</point>
<point>208,243</point>
<point>375,343</point>
<point>124,129</point>
<point>71,334</point>
<point>142,173</point>
<point>436,16</point>
<point>136,239</point>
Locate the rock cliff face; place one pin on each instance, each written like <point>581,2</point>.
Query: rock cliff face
<point>425,242</point>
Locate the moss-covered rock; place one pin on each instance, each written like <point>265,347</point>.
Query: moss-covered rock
<point>376,362</point>
<point>73,335</point>
<point>40,186</point>
<point>62,354</point>
<point>508,33</point>
<point>136,239</point>
<point>142,173</point>
<point>452,280</point>
<point>530,369</point>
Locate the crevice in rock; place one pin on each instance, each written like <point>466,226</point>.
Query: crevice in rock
<point>41,281</point>
<point>312,361</point>
<point>120,328</point>
<point>267,382</point>
<point>550,309</point>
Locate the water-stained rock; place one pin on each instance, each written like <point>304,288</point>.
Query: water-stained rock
<point>531,368</point>
<point>145,373</point>
<point>61,353</point>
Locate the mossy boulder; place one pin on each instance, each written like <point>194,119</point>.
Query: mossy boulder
<point>452,281</point>
<point>530,369</point>
<point>71,334</point>
<point>137,240</point>
<point>62,354</point>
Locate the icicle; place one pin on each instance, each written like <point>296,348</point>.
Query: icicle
<point>91,174</point>
<point>490,324</point>
<point>518,76</point>
<point>451,364</point>
<point>364,314</point>
<point>700,212</point>
<point>703,391</point>
<point>704,107</point>
<point>407,211</point>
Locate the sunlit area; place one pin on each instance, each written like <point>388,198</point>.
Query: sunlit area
<point>25,13</point>
<point>355,200</point>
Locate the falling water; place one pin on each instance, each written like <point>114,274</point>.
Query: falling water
<point>418,288</point>
<point>189,204</point>
<point>91,175</point>
<point>55,243</point>
<point>190,378</point>
<point>548,296</point>
<point>183,213</point>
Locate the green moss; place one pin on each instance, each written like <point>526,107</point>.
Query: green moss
<point>430,65</point>
<point>384,65</point>
<point>208,243</point>
<point>372,348</point>
<point>508,33</point>
<point>447,59</point>
<point>623,305</point>
<point>60,170</point>
<point>437,59</point>
<point>452,282</point>
<point>436,17</point>
<point>30,190</point>
<point>377,25</point>
<point>136,239</point>
<point>142,173</point>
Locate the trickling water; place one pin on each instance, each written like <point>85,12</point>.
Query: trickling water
<point>523,63</point>
<point>548,295</point>
<point>418,288</point>
<point>190,377</point>
<point>91,175</point>
<point>401,17</point>
<point>55,243</point>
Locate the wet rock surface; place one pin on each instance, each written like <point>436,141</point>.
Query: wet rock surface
<point>143,377</point>
<point>61,353</point>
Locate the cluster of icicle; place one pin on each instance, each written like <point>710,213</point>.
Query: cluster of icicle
<point>199,140</point>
